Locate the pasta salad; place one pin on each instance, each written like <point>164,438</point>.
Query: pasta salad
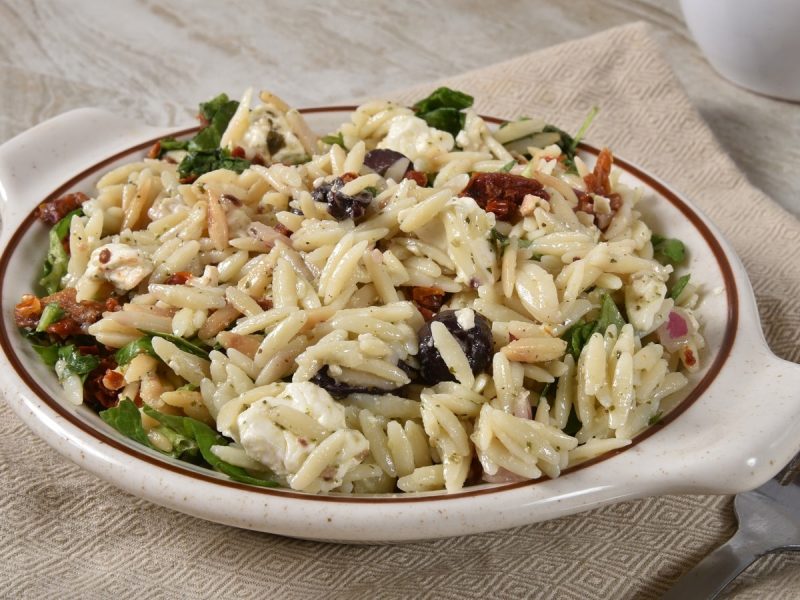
<point>416,301</point>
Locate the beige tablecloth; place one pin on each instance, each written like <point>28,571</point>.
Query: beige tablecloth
<point>65,534</point>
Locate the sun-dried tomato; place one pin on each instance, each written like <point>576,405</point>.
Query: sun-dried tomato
<point>502,193</point>
<point>598,182</point>
<point>64,328</point>
<point>113,380</point>
<point>96,395</point>
<point>155,150</point>
<point>349,176</point>
<point>418,176</point>
<point>53,211</point>
<point>238,152</point>
<point>429,300</point>
<point>179,278</point>
<point>265,303</point>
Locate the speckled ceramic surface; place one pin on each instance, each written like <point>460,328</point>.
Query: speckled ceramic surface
<point>735,429</point>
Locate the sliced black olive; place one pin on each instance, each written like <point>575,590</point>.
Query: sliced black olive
<point>341,206</point>
<point>476,342</point>
<point>387,163</point>
<point>336,388</point>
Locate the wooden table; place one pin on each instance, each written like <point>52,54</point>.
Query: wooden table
<point>154,60</point>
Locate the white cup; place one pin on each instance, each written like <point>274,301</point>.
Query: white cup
<point>754,43</point>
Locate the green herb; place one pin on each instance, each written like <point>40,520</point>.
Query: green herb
<point>199,162</point>
<point>55,264</point>
<point>52,313</point>
<point>501,241</point>
<point>334,140</point>
<point>126,419</point>
<point>578,335</point>
<point>442,109</point>
<point>144,345</point>
<point>372,190</point>
<point>547,389</point>
<point>668,250</point>
<point>655,418</point>
<point>679,286</point>
<point>72,362</point>
<point>181,343</point>
<point>506,168</point>
<point>205,437</point>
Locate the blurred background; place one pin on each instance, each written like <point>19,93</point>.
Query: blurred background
<point>155,60</point>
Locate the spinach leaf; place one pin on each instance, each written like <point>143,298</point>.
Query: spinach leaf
<point>208,110</point>
<point>52,313</point>
<point>170,143</point>
<point>442,109</point>
<point>126,419</point>
<point>55,264</point>
<point>198,162</point>
<point>181,343</point>
<point>609,315</point>
<point>183,448</point>
<point>48,354</point>
<point>679,286</point>
<point>205,437</point>
<point>333,140</point>
<point>144,345</point>
<point>668,250</point>
<point>72,362</point>
<point>578,335</point>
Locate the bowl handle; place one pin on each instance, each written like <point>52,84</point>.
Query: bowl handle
<point>742,432</point>
<point>40,160</point>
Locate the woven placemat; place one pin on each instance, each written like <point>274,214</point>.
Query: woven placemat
<point>68,535</point>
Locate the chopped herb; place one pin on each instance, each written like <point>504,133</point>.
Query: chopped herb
<point>655,418</point>
<point>275,141</point>
<point>668,250</point>
<point>144,345</point>
<point>609,315</point>
<point>52,313</point>
<point>181,343</point>
<point>500,242</point>
<point>442,109</point>
<point>372,190</point>
<point>55,264</point>
<point>506,168</point>
<point>547,389</point>
<point>334,140</point>
<point>679,286</point>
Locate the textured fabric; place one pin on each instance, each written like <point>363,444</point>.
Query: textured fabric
<point>68,535</point>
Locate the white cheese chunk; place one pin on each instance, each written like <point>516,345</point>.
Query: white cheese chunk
<point>412,137</point>
<point>123,266</point>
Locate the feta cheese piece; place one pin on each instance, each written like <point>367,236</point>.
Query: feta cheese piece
<point>270,136</point>
<point>412,137</point>
<point>465,317</point>
<point>123,266</point>
<point>643,299</point>
<point>286,453</point>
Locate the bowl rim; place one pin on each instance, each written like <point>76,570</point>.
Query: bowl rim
<point>714,369</point>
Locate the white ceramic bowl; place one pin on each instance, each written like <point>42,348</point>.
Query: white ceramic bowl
<point>733,430</point>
